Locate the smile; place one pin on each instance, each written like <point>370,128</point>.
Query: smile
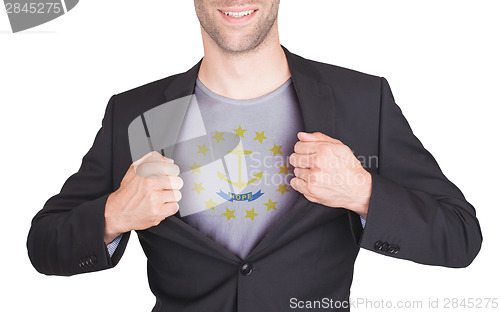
<point>238,14</point>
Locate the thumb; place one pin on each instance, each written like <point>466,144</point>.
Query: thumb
<point>316,137</point>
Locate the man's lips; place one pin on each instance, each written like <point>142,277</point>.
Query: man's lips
<point>237,15</point>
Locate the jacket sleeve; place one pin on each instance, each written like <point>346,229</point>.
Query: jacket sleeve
<point>67,236</point>
<point>415,212</point>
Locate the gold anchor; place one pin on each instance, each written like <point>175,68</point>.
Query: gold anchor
<point>240,152</point>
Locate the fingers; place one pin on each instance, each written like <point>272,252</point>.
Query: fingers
<point>316,137</point>
<point>301,186</point>
<point>139,161</point>
<point>302,147</point>
<point>303,161</point>
<point>165,183</point>
<point>171,183</point>
<point>157,169</point>
<point>303,174</point>
<point>153,154</point>
<point>311,176</point>
<point>170,196</point>
<point>171,208</point>
<point>318,147</point>
<point>169,160</point>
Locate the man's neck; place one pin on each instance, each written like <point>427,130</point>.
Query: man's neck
<point>244,76</point>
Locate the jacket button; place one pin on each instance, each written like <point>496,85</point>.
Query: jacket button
<point>396,249</point>
<point>390,249</point>
<point>385,245</point>
<point>83,264</point>
<point>246,269</point>
<point>378,245</point>
<point>93,260</point>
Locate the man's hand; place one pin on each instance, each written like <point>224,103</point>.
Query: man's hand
<point>148,193</point>
<point>327,172</point>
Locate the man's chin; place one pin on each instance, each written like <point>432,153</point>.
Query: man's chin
<point>239,45</point>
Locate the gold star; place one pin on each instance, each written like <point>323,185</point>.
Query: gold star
<point>195,168</point>
<point>270,205</point>
<point>276,150</point>
<point>210,204</point>
<point>284,168</point>
<point>260,136</point>
<point>251,214</point>
<point>219,136</point>
<point>239,132</point>
<point>202,149</point>
<point>229,214</point>
<point>198,187</point>
<point>282,188</point>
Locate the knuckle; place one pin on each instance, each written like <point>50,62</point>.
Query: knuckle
<point>345,150</point>
<point>300,161</point>
<point>326,149</point>
<point>323,148</point>
<point>317,161</point>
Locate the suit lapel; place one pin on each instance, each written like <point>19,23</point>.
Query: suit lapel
<point>315,98</point>
<point>317,106</point>
<point>183,84</point>
<point>318,110</point>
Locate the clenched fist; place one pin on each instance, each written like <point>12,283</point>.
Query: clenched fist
<point>327,172</point>
<point>148,193</point>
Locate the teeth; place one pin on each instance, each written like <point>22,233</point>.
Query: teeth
<point>239,14</point>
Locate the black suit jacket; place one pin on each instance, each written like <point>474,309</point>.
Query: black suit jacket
<point>415,212</point>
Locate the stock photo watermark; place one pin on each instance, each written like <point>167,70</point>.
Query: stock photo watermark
<point>25,15</point>
<point>452,303</point>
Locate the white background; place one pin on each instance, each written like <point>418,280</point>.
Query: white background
<point>441,59</point>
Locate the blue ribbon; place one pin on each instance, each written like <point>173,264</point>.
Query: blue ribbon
<point>240,197</point>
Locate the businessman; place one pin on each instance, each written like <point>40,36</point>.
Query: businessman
<point>282,215</point>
